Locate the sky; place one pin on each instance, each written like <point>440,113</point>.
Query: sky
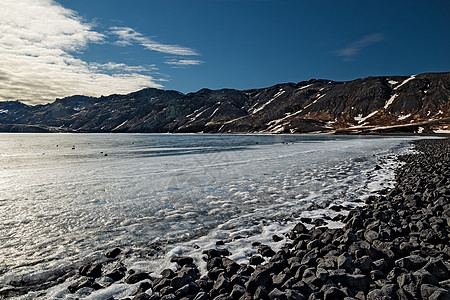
<point>56,48</point>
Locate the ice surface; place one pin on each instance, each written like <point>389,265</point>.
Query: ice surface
<point>64,207</point>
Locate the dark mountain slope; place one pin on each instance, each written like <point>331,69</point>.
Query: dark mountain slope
<point>394,103</point>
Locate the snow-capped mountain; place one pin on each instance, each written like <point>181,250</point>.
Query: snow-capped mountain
<point>419,103</point>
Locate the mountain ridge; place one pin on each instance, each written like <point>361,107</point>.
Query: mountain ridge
<point>377,104</point>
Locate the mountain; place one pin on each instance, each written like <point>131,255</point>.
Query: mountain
<point>419,103</point>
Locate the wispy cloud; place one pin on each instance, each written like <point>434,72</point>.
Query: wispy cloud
<point>354,48</point>
<point>39,41</point>
<point>128,36</point>
<point>183,63</point>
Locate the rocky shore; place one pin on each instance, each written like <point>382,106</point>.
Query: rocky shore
<point>394,247</point>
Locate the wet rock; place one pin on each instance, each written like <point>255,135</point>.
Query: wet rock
<point>117,274</point>
<point>91,270</point>
<point>277,238</point>
<point>112,253</point>
<point>135,278</point>
<point>182,260</point>
<point>256,260</point>
<point>82,283</point>
<point>266,251</point>
<point>167,273</point>
<point>222,282</point>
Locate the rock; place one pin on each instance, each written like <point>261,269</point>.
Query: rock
<point>215,272</point>
<point>256,260</point>
<point>160,283</point>
<point>117,274</point>
<point>377,274</point>
<point>438,269</point>
<point>276,294</point>
<point>377,295</point>
<point>266,251</point>
<point>333,293</point>
<point>135,278</point>
<point>261,293</point>
<point>428,291</point>
<point>167,273</point>
<point>423,276</point>
<point>412,262</point>
<point>260,277</point>
<point>183,278</point>
<point>276,238</point>
<point>357,282</point>
<point>91,270</point>
<point>143,287</point>
<point>82,283</point>
<point>294,295</point>
<point>182,260</point>
<point>237,291</point>
<point>112,253</point>
<point>214,262</point>
<point>201,296</point>
<point>344,261</point>
<point>169,297</point>
<point>223,297</point>
<point>370,236</point>
<point>230,266</point>
<point>142,296</point>
<point>222,282</point>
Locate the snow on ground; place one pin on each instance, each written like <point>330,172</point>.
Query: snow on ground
<point>390,101</point>
<point>405,81</point>
<point>361,119</point>
<point>392,82</point>
<point>281,92</point>
<point>403,117</point>
<point>447,131</point>
<point>117,127</point>
<point>304,87</point>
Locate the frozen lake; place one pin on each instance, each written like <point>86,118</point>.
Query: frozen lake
<point>65,197</point>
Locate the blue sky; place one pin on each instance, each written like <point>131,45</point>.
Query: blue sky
<point>64,47</point>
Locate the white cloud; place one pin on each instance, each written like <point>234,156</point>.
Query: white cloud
<point>180,63</point>
<point>128,36</point>
<point>354,48</point>
<point>112,66</point>
<point>37,46</point>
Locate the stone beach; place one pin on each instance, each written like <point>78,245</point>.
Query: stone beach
<point>394,247</point>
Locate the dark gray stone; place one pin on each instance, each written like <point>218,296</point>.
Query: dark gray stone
<point>135,278</point>
<point>357,282</point>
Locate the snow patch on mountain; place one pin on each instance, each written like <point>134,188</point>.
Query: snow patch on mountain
<point>405,81</point>
<point>281,92</point>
